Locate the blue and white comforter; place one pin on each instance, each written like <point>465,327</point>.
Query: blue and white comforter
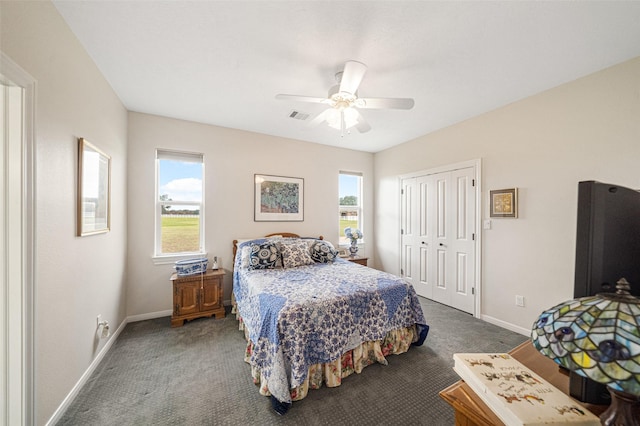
<point>313,314</point>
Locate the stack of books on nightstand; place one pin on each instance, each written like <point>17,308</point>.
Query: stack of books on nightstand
<point>516,394</point>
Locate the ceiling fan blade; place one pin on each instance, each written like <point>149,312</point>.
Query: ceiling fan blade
<point>301,98</point>
<point>386,103</point>
<point>318,119</point>
<point>363,126</point>
<point>352,76</point>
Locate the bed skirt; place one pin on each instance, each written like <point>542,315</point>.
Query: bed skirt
<point>353,361</point>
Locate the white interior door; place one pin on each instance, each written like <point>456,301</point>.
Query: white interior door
<point>408,266</point>
<point>454,258</point>
<point>438,236</point>
<point>415,232</point>
<point>441,207</point>
<point>424,235</point>
<point>463,241</point>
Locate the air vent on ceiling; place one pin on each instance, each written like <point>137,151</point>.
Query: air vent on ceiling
<point>299,115</point>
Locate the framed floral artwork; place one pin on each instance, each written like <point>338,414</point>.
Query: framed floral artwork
<point>503,203</point>
<point>278,198</point>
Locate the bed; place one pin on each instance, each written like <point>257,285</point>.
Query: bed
<point>313,318</point>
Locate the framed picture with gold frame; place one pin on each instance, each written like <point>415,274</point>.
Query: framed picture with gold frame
<point>94,190</point>
<point>503,203</point>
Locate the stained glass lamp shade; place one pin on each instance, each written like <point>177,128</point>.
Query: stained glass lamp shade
<point>598,337</point>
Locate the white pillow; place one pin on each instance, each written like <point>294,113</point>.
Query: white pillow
<point>295,253</point>
<point>244,256</point>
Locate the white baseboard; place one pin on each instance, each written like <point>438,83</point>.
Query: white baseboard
<point>507,325</point>
<point>160,314</point>
<point>94,364</point>
<point>150,315</point>
<point>83,379</point>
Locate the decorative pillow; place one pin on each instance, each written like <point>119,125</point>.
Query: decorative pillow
<point>277,240</point>
<point>295,253</point>
<point>245,255</point>
<point>323,252</point>
<point>263,256</point>
<point>245,251</point>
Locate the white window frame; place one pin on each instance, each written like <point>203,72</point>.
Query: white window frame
<point>358,207</point>
<point>163,154</point>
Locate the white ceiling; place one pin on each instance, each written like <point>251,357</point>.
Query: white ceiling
<point>223,62</point>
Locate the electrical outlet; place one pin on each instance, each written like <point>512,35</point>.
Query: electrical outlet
<point>519,300</point>
<point>98,320</point>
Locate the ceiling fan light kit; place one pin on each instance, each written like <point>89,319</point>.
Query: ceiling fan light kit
<point>343,101</point>
<point>342,119</point>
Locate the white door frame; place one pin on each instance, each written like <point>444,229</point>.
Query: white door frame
<point>18,302</point>
<point>477,166</point>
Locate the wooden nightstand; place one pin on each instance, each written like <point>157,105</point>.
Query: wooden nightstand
<point>358,259</point>
<point>195,296</point>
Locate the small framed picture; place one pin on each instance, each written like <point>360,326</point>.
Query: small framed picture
<point>503,203</point>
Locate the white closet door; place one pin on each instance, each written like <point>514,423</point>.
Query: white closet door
<point>415,233</point>
<point>438,236</point>
<point>454,261</point>
<point>424,233</point>
<point>440,207</point>
<point>462,241</point>
<point>408,266</point>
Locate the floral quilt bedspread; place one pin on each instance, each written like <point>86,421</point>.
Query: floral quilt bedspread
<point>312,314</point>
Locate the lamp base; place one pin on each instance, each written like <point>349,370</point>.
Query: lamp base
<point>623,411</point>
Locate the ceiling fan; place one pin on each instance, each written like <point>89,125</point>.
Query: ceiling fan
<point>343,101</point>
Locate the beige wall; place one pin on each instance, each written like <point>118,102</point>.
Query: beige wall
<point>76,278</point>
<point>587,129</point>
<point>544,145</point>
<point>231,157</point>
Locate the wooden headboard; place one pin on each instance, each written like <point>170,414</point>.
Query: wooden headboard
<point>282,234</point>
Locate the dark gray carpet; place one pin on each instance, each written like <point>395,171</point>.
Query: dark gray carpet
<point>195,375</point>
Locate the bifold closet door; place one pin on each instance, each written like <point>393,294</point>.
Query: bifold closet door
<point>415,232</point>
<point>438,236</point>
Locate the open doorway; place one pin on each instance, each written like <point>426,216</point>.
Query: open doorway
<point>17,258</point>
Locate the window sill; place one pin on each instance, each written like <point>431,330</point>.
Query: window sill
<point>346,246</point>
<point>170,259</point>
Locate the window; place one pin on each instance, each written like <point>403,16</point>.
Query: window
<point>179,205</point>
<point>350,205</point>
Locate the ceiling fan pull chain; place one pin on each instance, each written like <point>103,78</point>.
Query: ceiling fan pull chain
<point>342,123</point>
